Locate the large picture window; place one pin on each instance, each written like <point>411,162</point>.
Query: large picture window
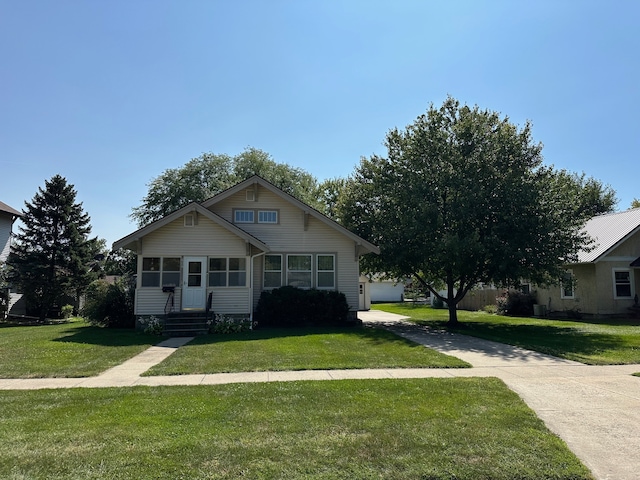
<point>325,271</point>
<point>622,283</point>
<point>299,271</point>
<point>228,272</point>
<point>272,271</point>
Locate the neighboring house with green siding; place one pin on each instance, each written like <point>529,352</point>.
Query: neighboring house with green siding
<point>249,238</point>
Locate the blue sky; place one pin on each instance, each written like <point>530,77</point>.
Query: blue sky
<point>109,94</point>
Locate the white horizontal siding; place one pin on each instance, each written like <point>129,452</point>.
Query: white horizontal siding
<point>5,237</point>
<point>151,301</point>
<point>230,300</point>
<point>290,236</point>
<point>204,239</point>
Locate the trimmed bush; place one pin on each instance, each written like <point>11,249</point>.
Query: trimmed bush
<point>110,305</point>
<point>294,307</point>
<point>516,304</point>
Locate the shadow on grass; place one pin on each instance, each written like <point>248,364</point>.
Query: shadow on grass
<point>375,336</point>
<point>565,342</point>
<point>108,337</point>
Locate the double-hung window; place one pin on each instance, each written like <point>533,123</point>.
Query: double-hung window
<point>272,271</point>
<point>622,283</point>
<point>151,272</point>
<point>228,272</point>
<point>325,271</point>
<point>299,271</point>
<point>567,285</point>
<point>157,271</point>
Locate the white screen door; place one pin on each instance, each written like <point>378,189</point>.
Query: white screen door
<point>194,283</point>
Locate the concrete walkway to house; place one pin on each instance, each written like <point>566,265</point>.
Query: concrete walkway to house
<point>595,410</point>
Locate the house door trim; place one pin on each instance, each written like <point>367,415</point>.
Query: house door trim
<point>194,283</point>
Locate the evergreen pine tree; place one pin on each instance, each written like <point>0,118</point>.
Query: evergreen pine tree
<point>52,251</point>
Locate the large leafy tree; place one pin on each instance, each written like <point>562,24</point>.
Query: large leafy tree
<point>208,174</point>
<point>462,197</point>
<point>52,255</point>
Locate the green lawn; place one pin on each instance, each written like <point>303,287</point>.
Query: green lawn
<point>301,349</point>
<point>594,342</point>
<point>73,349</point>
<point>401,429</point>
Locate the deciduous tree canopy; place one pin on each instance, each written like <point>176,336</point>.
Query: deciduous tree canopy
<point>462,197</point>
<point>209,174</point>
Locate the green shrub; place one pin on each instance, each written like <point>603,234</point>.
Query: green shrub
<point>492,309</point>
<point>293,307</point>
<point>438,303</point>
<point>516,304</point>
<point>223,324</point>
<point>110,305</point>
<point>66,311</point>
<point>151,325</point>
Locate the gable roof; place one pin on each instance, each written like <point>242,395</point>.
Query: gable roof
<point>364,245</point>
<point>608,231</point>
<point>130,241</point>
<point>6,208</point>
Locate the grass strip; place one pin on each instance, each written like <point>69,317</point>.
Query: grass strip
<point>281,349</point>
<point>402,429</point>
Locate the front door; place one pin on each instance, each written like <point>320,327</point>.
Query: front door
<point>194,283</point>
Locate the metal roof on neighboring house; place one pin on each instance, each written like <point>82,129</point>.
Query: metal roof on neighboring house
<point>609,231</point>
<point>6,208</point>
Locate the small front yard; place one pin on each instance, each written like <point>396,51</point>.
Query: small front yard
<point>301,349</point>
<point>594,342</point>
<point>73,349</point>
<point>466,429</point>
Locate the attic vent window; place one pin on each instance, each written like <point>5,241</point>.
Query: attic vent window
<point>251,195</point>
<point>189,220</point>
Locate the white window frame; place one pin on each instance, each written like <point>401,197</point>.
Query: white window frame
<point>318,271</point>
<point>153,271</point>
<point>189,220</point>
<point>239,213</point>
<point>268,213</point>
<point>563,295</point>
<point>175,273</point>
<point>227,272</point>
<point>615,284</point>
<point>290,272</point>
<point>265,271</point>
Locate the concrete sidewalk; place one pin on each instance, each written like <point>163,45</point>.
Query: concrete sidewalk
<point>595,410</point>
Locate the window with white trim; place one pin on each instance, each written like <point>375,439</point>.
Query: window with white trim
<point>243,216</point>
<point>567,285</point>
<point>267,216</point>
<point>299,271</point>
<point>157,271</point>
<point>228,272</point>
<point>171,271</point>
<point>326,271</point>
<point>189,220</point>
<point>272,271</point>
<point>150,272</point>
<point>622,287</point>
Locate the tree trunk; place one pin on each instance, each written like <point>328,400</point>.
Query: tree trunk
<point>453,313</point>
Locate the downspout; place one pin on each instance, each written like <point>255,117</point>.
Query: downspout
<point>251,287</point>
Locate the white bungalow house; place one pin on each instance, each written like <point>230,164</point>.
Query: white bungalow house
<point>249,238</point>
